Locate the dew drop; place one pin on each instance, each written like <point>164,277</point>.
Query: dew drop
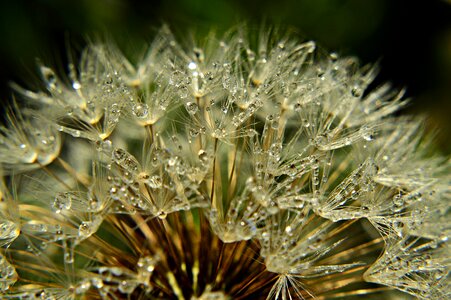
<point>97,282</point>
<point>8,231</point>
<point>192,65</point>
<point>62,201</point>
<point>76,85</point>
<point>203,155</point>
<point>85,229</point>
<point>140,110</point>
<point>49,77</point>
<point>155,182</point>
<point>162,214</point>
<point>191,108</point>
<point>356,91</point>
<point>119,155</point>
<point>297,107</point>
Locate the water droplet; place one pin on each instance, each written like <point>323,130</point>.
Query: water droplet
<point>119,155</point>
<point>368,137</point>
<point>85,229</point>
<point>203,155</point>
<point>356,91</point>
<point>224,109</point>
<point>97,282</point>
<point>126,287</point>
<point>140,110</point>
<point>147,264</point>
<point>191,108</point>
<point>8,231</point>
<point>76,133</point>
<point>155,182</point>
<point>275,149</point>
<point>192,65</point>
<point>8,275</point>
<point>193,132</point>
<point>251,132</point>
<point>62,201</point>
<point>76,85</point>
<point>109,79</point>
<point>105,145</point>
<point>162,214</point>
<point>50,77</point>
<point>333,56</point>
<point>289,230</point>
<point>320,140</point>
<point>297,107</point>
<point>199,54</point>
<point>69,257</point>
<point>82,287</point>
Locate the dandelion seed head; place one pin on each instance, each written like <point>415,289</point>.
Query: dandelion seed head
<point>237,168</point>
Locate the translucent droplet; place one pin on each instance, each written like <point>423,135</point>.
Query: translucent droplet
<point>126,286</point>
<point>97,282</point>
<point>333,56</point>
<point>368,137</point>
<point>119,155</point>
<point>147,264</point>
<point>85,229</point>
<point>199,54</point>
<point>193,132</point>
<point>297,107</point>
<point>9,231</point>
<point>140,110</point>
<point>356,91</point>
<point>76,85</point>
<point>105,145</point>
<point>50,77</point>
<point>251,132</point>
<point>109,79</point>
<point>275,149</point>
<point>62,201</point>
<point>224,109</point>
<point>155,182</point>
<point>191,108</point>
<point>69,257</point>
<point>75,133</point>
<point>82,287</point>
<point>8,275</point>
<point>289,230</point>
<point>250,55</point>
<point>320,140</point>
<point>192,65</point>
<point>203,155</point>
<point>162,214</point>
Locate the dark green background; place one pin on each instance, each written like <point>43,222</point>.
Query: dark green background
<point>411,39</point>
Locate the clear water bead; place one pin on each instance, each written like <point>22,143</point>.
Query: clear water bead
<point>9,231</point>
<point>140,110</point>
<point>8,275</point>
<point>62,201</point>
<point>192,66</point>
<point>85,229</point>
<point>203,155</point>
<point>191,108</point>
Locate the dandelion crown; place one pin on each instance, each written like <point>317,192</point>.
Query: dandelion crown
<point>228,169</point>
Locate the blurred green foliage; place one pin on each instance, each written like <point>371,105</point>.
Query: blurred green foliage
<point>411,39</point>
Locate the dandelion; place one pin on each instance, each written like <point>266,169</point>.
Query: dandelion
<point>237,168</point>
